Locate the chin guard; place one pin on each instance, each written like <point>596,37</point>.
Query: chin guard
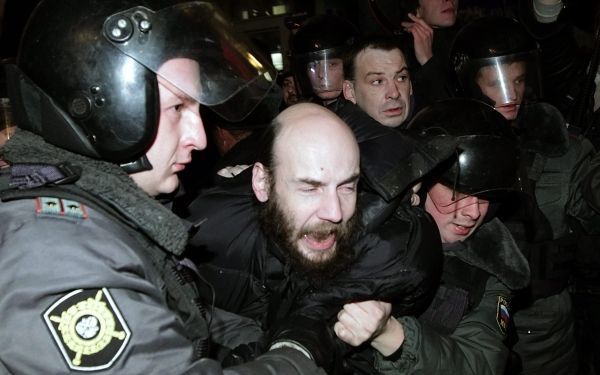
<point>139,165</point>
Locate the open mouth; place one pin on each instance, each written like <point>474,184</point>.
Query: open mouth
<point>319,241</point>
<point>462,230</point>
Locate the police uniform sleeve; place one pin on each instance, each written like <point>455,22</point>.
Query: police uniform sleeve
<point>76,297</point>
<point>475,347</point>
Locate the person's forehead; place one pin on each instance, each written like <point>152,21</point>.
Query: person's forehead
<point>313,137</point>
<point>181,76</point>
<point>494,70</point>
<point>370,58</point>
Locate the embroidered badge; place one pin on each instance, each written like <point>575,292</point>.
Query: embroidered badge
<point>502,314</point>
<point>60,207</point>
<point>88,329</point>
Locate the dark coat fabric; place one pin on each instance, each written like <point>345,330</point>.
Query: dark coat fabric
<point>86,282</point>
<point>399,262</point>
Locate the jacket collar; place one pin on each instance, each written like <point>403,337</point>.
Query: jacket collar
<point>109,183</point>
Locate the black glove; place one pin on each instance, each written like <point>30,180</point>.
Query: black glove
<point>242,354</point>
<point>312,337</point>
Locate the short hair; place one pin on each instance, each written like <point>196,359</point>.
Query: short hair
<point>266,151</point>
<point>380,42</point>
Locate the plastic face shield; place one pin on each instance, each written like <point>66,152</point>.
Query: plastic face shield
<point>233,78</point>
<point>504,80</point>
<point>325,72</point>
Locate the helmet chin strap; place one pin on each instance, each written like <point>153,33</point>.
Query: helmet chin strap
<point>139,165</point>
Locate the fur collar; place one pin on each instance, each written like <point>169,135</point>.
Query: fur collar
<point>543,130</point>
<point>108,182</point>
<point>493,249</point>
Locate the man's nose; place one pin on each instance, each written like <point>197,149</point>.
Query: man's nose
<point>195,135</point>
<point>330,208</point>
<point>392,91</point>
<point>469,207</point>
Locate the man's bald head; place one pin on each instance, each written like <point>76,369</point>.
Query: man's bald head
<point>305,125</point>
<point>307,181</point>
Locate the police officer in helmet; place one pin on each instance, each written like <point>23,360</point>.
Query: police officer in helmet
<point>317,50</point>
<point>465,327</point>
<point>494,59</point>
<point>107,98</point>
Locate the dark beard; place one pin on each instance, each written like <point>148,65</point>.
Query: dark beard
<point>276,224</point>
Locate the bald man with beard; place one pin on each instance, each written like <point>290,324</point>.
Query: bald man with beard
<point>308,187</point>
<point>285,247</point>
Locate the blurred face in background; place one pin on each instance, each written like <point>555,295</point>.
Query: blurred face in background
<point>438,13</point>
<point>290,95</point>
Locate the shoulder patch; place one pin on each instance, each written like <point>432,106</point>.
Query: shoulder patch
<point>503,313</point>
<point>88,329</point>
<point>60,207</point>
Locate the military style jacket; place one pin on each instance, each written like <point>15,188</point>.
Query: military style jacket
<point>464,329</point>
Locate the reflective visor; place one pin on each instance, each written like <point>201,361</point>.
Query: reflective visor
<point>324,69</point>
<point>233,77</point>
<point>505,80</point>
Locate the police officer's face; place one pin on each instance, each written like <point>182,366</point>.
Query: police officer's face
<point>504,84</point>
<point>326,77</point>
<point>438,13</point>
<point>456,218</point>
<point>314,183</point>
<point>180,131</point>
<point>382,86</point>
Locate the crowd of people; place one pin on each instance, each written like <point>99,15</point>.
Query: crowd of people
<point>414,202</point>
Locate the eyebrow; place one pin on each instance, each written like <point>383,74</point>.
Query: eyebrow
<point>313,182</point>
<point>403,69</point>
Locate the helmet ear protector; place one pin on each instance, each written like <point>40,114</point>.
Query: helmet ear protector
<point>89,84</point>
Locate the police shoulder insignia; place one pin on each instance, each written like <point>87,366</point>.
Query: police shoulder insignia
<point>503,313</point>
<point>60,207</point>
<point>88,329</point>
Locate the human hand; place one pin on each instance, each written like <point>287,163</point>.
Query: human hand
<point>370,321</point>
<point>362,321</point>
<point>423,37</point>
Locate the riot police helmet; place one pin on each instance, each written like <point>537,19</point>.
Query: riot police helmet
<point>317,50</point>
<point>494,59</point>
<point>85,77</point>
<point>487,161</point>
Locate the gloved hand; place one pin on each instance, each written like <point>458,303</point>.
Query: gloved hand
<point>314,338</point>
<point>242,354</point>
